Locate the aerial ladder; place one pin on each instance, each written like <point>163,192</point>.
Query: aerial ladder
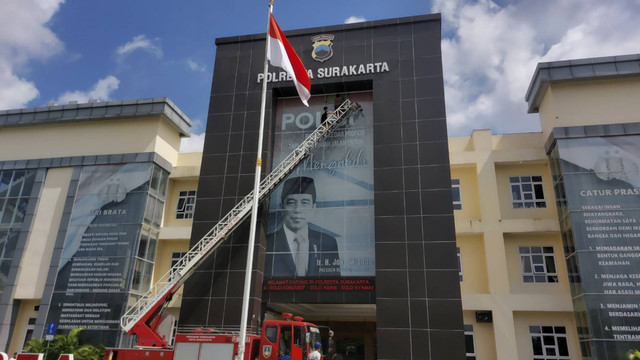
<point>145,316</point>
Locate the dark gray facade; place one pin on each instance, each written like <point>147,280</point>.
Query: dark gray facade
<point>417,291</point>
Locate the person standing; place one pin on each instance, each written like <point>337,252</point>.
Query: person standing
<point>324,116</point>
<point>331,346</point>
<point>15,355</point>
<point>315,354</point>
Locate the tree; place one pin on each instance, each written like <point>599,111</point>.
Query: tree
<point>38,346</point>
<point>65,344</point>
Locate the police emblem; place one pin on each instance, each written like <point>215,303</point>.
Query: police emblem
<point>322,47</point>
<point>266,350</point>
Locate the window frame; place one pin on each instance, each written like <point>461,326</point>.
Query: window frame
<point>459,263</point>
<point>175,257</point>
<point>186,204</point>
<point>540,334</point>
<point>468,333</point>
<point>456,194</point>
<point>527,192</point>
<point>28,331</point>
<point>538,258</point>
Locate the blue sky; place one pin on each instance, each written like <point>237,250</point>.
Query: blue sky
<point>55,50</point>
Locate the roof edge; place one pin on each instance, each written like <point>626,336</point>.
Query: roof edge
<point>547,73</point>
<point>74,112</point>
<point>341,27</point>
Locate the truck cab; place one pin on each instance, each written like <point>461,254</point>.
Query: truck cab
<point>295,338</point>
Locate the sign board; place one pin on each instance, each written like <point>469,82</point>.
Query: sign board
<point>51,328</point>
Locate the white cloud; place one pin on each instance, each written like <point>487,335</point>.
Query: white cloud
<point>140,42</point>
<point>100,91</point>
<point>490,52</point>
<point>194,66</point>
<point>195,143</point>
<point>354,19</point>
<point>24,36</point>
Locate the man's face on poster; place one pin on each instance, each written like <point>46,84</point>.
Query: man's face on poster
<point>297,209</point>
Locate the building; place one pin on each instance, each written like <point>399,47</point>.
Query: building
<point>83,187</point>
<point>513,246</point>
<point>373,263</point>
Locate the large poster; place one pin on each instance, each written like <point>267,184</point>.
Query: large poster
<point>320,223</point>
<point>93,281</point>
<point>601,178</point>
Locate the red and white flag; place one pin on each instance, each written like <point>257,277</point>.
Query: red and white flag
<point>281,54</point>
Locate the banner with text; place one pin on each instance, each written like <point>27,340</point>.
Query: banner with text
<point>320,222</point>
<point>601,178</point>
<point>91,288</point>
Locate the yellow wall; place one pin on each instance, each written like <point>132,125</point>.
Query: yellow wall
<point>167,142</point>
<point>504,171</point>
<point>163,263</point>
<point>474,264</point>
<point>42,238</point>
<point>175,186</point>
<point>90,138</point>
<point>512,244</point>
<point>485,342</point>
<point>590,103</point>
<point>26,311</point>
<point>489,231</point>
<point>468,192</point>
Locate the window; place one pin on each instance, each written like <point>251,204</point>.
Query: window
<point>469,341</point>
<point>31,325</point>
<point>549,342</point>
<point>145,258</point>
<point>455,191</point>
<point>526,192</point>
<point>186,204</point>
<point>15,189</point>
<point>538,264</point>
<point>271,333</point>
<point>176,256</point>
<point>459,263</point>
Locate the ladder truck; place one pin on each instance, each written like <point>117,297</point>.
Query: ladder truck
<point>145,317</point>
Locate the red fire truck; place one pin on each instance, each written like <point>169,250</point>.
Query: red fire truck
<point>145,318</point>
<point>291,336</point>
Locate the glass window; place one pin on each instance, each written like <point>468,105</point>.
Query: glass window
<point>298,335</point>
<point>455,192</point>
<point>142,276</point>
<point>176,256</point>
<point>5,180</point>
<point>538,264</point>
<point>469,341</point>
<point>163,184</point>
<point>157,214</point>
<point>549,342</point>
<point>155,179</point>
<point>285,338</point>
<point>142,248</point>
<point>15,189</point>
<point>186,204</point>
<point>31,325</point>
<point>527,192</point>
<point>271,333</point>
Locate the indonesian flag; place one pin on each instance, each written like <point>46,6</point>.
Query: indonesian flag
<point>281,54</point>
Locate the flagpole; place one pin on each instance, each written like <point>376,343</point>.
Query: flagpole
<point>254,210</point>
